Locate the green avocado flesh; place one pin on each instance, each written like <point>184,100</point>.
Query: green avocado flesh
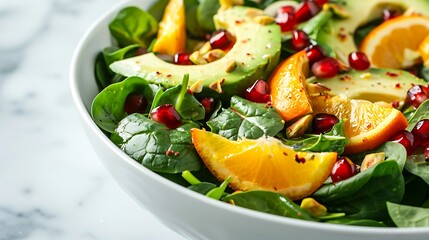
<point>255,53</point>
<point>338,32</point>
<point>375,84</point>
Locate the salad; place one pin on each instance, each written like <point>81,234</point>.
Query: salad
<point>305,109</point>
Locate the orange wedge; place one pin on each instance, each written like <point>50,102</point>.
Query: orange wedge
<point>171,37</point>
<point>367,124</point>
<point>287,87</point>
<point>264,164</point>
<point>424,51</point>
<point>395,43</point>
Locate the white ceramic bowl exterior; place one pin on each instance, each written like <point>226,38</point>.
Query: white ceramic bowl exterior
<point>188,213</point>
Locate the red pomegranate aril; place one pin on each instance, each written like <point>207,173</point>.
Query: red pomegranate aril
<point>326,68</point>
<point>421,133</point>
<point>259,92</point>
<point>286,10</point>
<point>135,103</point>
<point>306,10</point>
<point>390,14</point>
<point>321,2</point>
<point>182,59</point>
<point>286,21</point>
<point>167,115</point>
<point>323,122</point>
<point>208,104</point>
<point>417,95</point>
<point>406,139</point>
<point>426,152</point>
<point>359,61</point>
<point>344,168</point>
<point>315,53</point>
<point>221,39</point>
<point>300,40</point>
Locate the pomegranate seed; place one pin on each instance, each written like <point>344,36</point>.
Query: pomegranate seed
<point>344,168</point>
<point>426,152</point>
<point>306,10</point>
<point>258,92</point>
<point>285,9</point>
<point>182,59</point>
<point>167,115</point>
<point>421,133</point>
<point>389,14</point>
<point>315,53</point>
<point>406,139</point>
<point>300,40</point>
<point>140,51</point>
<point>323,122</point>
<point>326,68</point>
<point>135,103</point>
<point>208,104</point>
<point>359,61</point>
<point>321,2</point>
<point>221,39</point>
<point>286,21</point>
<point>417,95</point>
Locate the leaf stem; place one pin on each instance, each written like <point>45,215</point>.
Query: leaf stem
<point>183,91</point>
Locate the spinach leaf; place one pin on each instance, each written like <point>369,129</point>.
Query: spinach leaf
<point>313,25</point>
<point>416,190</point>
<point>184,102</point>
<point>332,141</point>
<point>202,187</point>
<point>112,54</point>
<point>408,216</point>
<point>417,165</point>
<point>206,188</point>
<point>245,119</point>
<point>424,73</point>
<point>357,222</point>
<point>133,26</point>
<point>393,152</point>
<point>364,195</point>
<point>155,146</point>
<point>269,202</point>
<point>108,106</point>
<point>421,113</point>
<point>157,9</point>
<point>205,12</point>
<point>102,73</point>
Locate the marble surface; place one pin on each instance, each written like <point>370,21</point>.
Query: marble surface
<point>52,186</point>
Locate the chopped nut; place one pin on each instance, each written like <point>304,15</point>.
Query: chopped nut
<point>197,87</point>
<point>371,160</point>
<point>217,86</point>
<point>225,4</point>
<point>263,20</point>
<point>197,58</point>
<point>366,75</point>
<point>313,207</point>
<point>299,127</point>
<point>214,55</point>
<point>253,12</point>
<point>205,48</point>
<point>231,66</point>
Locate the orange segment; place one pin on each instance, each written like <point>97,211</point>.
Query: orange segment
<point>424,51</point>
<point>395,43</point>
<point>172,29</point>
<point>367,124</point>
<point>287,87</point>
<point>264,164</point>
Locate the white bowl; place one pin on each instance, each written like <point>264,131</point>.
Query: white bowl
<point>188,213</point>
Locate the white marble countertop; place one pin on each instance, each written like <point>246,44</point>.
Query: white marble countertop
<point>52,186</point>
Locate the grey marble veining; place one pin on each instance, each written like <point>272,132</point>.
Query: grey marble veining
<point>52,186</point>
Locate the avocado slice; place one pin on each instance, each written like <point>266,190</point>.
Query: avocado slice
<point>374,84</point>
<point>255,53</point>
<point>338,32</point>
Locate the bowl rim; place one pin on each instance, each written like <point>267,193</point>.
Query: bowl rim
<point>87,119</point>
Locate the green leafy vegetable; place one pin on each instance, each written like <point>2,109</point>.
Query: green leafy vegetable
<point>421,113</point>
<point>205,12</point>
<point>184,102</point>
<point>112,54</point>
<point>313,25</point>
<point>157,147</point>
<point>357,222</point>
<point>108,106</point>
<point>217,192</point>
<point>364,195</point>
<point>332,141</point>
<point>245,119</point>
<point>133,26</point>
<point>417,165</point>
<point>269,202</point>
<point>408,216</point>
